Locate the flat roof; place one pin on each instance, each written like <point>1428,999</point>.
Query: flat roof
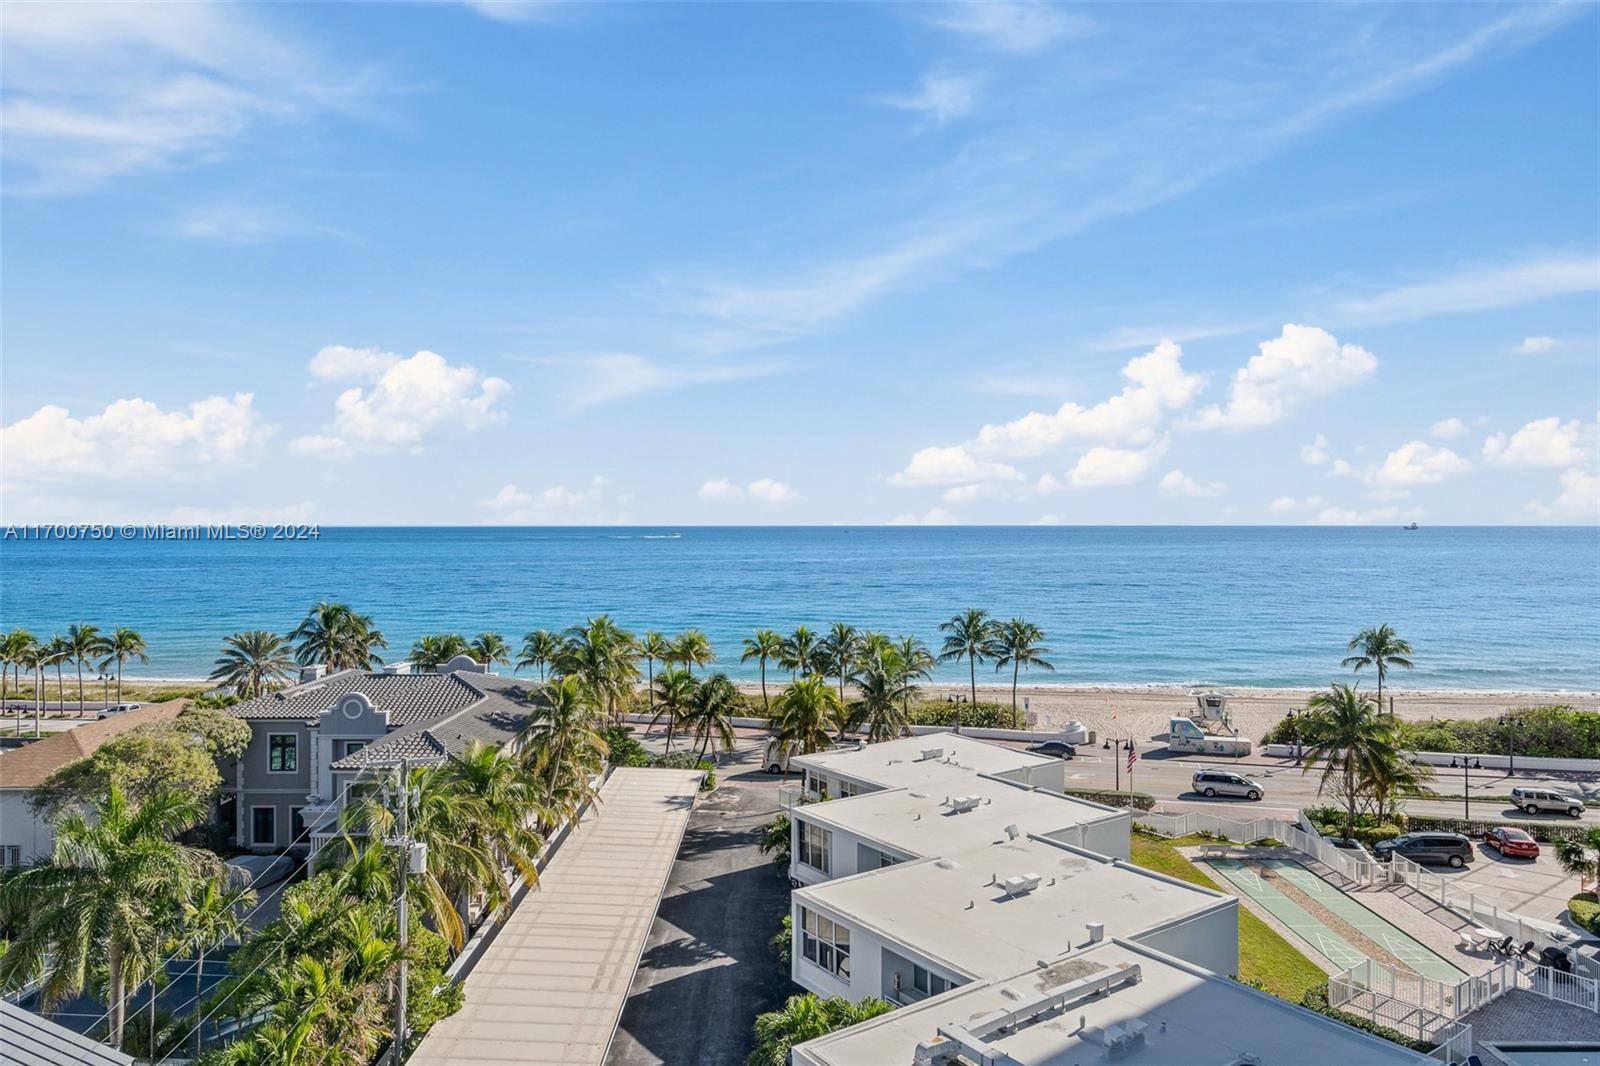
<point>918,822</point>
<point>550,987</point>
<point>29,1040</point>
<point>898,763</point>
<point>1191,1016</point>
<point>951,910</point>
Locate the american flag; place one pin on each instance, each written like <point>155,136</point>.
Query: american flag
<point>1133,757</point>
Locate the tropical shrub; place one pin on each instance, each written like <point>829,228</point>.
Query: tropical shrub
<point>776,841</point>
<point>1139,801</point>
<point>1316,999</point>
<point>1560,732</point>
<point>803,1018</point>
<point>1585,910</point>
<point>1543,831</point>
<point>624,749</point>
<point>981,715</point>
<point>782,942</point>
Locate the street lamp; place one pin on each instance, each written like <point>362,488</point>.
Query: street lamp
<point>1512,723</point>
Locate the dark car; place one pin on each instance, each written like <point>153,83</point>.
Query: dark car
<point>1452,848</point>
<point>1058,749</point>
<point>1512,842</point>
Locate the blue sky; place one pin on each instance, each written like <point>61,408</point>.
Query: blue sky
<point>1000,263</point>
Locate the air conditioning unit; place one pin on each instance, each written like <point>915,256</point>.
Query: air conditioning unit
<point>962,804</point>
<point>1021,884</point>
<point>931,753</point>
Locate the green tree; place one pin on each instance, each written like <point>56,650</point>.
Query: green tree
<point>709,719</point>
<point>86,644</point>
<point>1018,644</point>
<point>803,715</point>
<point>252,662</point>
<point>57,654</point>
<point>490,649</point>
<point>602,656</point>
<point>433,651</point>
<point>776,840</point>
<point>693,648</point>
<point>1347,734</point>
<point>675,689</point>
<point>884,684</point>
<point>561,745</point>
<point>1580,857</point>
<point>967,636</point>
<point>539,648</point>
<point>337,637</point>
<point>653,646</point>
<point>15,652</point>
<point>506,813</point>
<point>103,904</point>
<point>806,1017</point>
<point>840,648</point>
<point>1379,647</point>
<point>802,654</point>
<point>213,913</point>
<point>917,662</point>
<point>122,645</point>
<point>765,646</point>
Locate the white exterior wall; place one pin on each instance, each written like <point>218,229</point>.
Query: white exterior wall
<point>1209,940</point>
<point>20,828</point>
<point>1051,775</point>
<point>866,955</point>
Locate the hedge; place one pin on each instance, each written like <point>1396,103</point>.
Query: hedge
<point>1542,831</point>
<point>1585,910</point>
<point>1556,731</point>
<point>980,715</point>
<point>1139,801</point>
<point>1316,999</point>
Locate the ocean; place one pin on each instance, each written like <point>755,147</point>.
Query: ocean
<point>1487,608</point>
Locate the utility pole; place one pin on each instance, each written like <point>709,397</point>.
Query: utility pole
<point>403,939</point>
<point>1466,787</point>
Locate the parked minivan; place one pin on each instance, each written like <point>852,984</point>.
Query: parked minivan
<point>1452,848</point>
<point>118,708</point>
<point>1226,783</point>
<point>1534,800</point>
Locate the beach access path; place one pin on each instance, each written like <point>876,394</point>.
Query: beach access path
<point>551,986</point>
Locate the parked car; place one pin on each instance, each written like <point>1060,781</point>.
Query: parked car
<point>118,708</point>
<point>1452,848</point>
<point>1512,842</point>
<point>1056,749</point>
<point>1535,800</point>
<point>775,758</point>
<point>1226,783</point>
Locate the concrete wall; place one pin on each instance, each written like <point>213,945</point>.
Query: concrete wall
<point>1495,762</point>
<point>1210,940</point>
<point>19,827</point>
<point>1109,836</point>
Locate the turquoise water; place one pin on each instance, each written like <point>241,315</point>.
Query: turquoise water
<point>1486,608</point>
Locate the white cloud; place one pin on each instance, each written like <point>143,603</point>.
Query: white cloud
<point>599,379</point>
<point>762,490</point>
<point>1536,346</point>
<point>1287,504</point>
<point>1315,453</point>
<point>949,466</point>
<point>592,503</point>
<point>1014,26</point>
<point>93,92</point>
<point>1544,442</point>
<point>1342,468</point>
<point>1177,483</point>
<point>1417,463</point>
<point>940,98</point>
<point>938,516</point>
<point>1448,429</point>
<point>1101,466</point>
<point>1579,498</point>
<point>133,438</point>
<point>1301,364</point>
<point>1478,290</point>
<point>1345,516</point>
<point>1156,385</point>
<point>402,402</point>
<point>516,10</point>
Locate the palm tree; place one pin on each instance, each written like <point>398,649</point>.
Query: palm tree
<point>489,649</point>
<point>765,645</point>
<point>885,685</point>
<point>36,657</point>
<point>801,655</point>
<point>85,643</point>
<point>1379,648</point>
<point>123,644</point>
<point>653,646</point>
<point>1580,857</point>
<point>253,661</point>
<point>561,744</point>
<point>840,648</point>
<point>1353,740</point>
<point>337,637</point>
<point>918,663</point>
<point>105,900</point>
<point>603,656</point>
<point>539,648</point>
<point>693,648</point>
<point>803,715</point>
<point>212,914</point>
<point>508,807</point>
<point>709,719</point>
<point>806,1017</point>
<point>434,650</point>
<point>59,652</point>
<point>675,689</point>
<point>1018,644</point>
<point>16,651</point>
<point>967,636</point>
<point>1390,778</point>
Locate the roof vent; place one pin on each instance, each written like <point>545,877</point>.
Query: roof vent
<point>1021,884</point>
<point>1011,832</point>
<point>962,804</point>
<point>1097,931</point>
<point>931,753</point>
<point>313,672</point>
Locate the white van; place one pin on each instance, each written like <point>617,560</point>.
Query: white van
<point>775,758</point>
<point>118,708</point>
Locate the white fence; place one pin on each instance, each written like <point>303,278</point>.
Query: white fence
<point>1445,892</point>
<point>1373,990</point>
<point>1240,830</point>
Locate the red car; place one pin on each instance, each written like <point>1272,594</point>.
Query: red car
<point>1515,843</point>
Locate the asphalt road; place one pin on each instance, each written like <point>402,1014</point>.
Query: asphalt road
<point>707,969</point>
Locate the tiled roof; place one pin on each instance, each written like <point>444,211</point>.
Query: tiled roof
<point>29,1040</point>
<point>29,765</point>
<point>494,719</point>
<point>408,698</point>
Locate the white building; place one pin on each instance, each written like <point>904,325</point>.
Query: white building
<point>922,761</point>
<point>1117,1002</point>
<point>917,928</point>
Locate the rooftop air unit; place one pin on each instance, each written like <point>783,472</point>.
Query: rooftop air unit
<point>1097,932</point>
<point>931,753</point>
<point>962,804</point>
<point>1021,884</point>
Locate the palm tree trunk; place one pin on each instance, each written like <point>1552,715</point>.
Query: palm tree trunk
<point>650,682</point>
<point>119,679</point>
<point>80,686</point>
<point>766,706</point>
<point>38,703</point>
<point>114,991</point>
<point>1015,668</point>
<point>1350,798</point>
<point>61,687</point>
<point>199,978</point>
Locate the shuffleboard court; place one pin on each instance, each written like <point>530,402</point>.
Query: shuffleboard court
<point>1312,908</point>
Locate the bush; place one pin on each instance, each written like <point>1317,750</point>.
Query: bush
<point>782,942</point>
<point>980,715</point>
<point>1139,801</point>
<point>686,760</point>
<point>1541,831</point>
<point>624,750</point>
<point>776,841</point>
<point>1585,910</point>
<point>1557,731</point>
<point>1316,999</point>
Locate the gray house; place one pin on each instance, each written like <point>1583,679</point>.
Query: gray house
<point>312,741</point>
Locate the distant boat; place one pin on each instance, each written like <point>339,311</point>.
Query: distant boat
<point>1411,526</point>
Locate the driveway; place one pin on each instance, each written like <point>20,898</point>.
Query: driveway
<point>707,970</point>
<point>1537,888</point>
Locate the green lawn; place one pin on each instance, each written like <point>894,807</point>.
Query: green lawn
<point>1264,957</point>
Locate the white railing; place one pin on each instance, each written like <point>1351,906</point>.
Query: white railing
<point>1373,980</point>
<point>1455,1043</point>
<point>1239,830</point>
<point>1349,863</point>
<point>791,796</point>
<point>1443,891</point>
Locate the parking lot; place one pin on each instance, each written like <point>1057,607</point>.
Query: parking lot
<point>1538,888</point>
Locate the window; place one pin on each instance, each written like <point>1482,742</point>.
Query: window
<point>351,747</point>
<point>825,943</point>
<point>283,753</point>
<point>814,841</point>
<point>264,826</point>
<point>297,825</point>
<point>929,984</point>
<point>848,788</point>
<point>10,855</point>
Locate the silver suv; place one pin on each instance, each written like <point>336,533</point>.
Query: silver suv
<point>1535,800</point>
<point>1226,783</point>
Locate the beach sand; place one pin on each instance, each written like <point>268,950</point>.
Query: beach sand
<point>1142,711</point>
